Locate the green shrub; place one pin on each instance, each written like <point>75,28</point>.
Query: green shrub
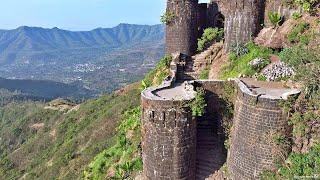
<point>241,64</point>
<point>306,63</point>
<point>158,74</point>
<point>296,15</point>
<point>209,36</point>
<point>167,17</point>
<point>238,50</point>
<point>261,78</point>
<point>298,166</point>
<point>302,164</point>
<point>204,74</point>
<point>199,104</point>
<point>123,156</point>
<point>295,36</point>
<point>275,18</point>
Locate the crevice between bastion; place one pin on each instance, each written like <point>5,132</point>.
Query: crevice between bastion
<point>176,145</point>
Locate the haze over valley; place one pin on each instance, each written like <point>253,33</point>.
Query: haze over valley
<point>100,60</point>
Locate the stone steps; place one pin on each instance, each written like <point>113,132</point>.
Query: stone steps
<point>209,150</point>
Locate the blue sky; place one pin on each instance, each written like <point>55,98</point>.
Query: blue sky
<point>79,14</point>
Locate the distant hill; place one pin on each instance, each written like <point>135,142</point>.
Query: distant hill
<point>102,60</point>
<point>25,42</point>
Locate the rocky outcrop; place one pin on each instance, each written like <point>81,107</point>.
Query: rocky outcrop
<point>279,7</point>
<point>207,57</point>
<point>277,38</point>
<point>271,38</point>
<point>276,71</point>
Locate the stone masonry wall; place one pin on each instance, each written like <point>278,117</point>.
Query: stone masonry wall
<point>182,32</point>
<point>202,18</point>
<point>257,121</point>
<point>213,89</point>
<point>168,140</point>
<point>242,20</point>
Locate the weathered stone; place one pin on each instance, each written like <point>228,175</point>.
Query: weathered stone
<point>182,32</point>
<point>256,62</point>
<point>271,38</point>
<point>242,20</point>
<point>277,70</point>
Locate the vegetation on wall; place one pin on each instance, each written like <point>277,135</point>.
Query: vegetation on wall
<point>228,98</point>
<point>239,64</point>
<point>167,17</point>
<point>199,104</point>
<point>122,160</point>
<point>209,36</point>
<point>158,74</point>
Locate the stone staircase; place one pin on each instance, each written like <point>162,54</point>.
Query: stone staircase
<point>186,71</point>
<point>206,58</point>
<point>192,66</point>
<point>211,154</point>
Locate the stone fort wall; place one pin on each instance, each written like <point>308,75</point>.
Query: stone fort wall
<point>242,20</point>
<point>169,133</point>
<point>168,140</point>
<point>182,32</point>
<point>168,129</point>
<point>257,122</point>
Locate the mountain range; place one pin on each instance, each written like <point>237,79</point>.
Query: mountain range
<point>100,60</point>
<point>28,42</point>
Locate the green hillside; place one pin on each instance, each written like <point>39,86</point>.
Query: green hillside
<point>38,143</point>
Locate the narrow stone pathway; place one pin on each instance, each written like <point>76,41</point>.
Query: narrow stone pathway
<point>211,154</point>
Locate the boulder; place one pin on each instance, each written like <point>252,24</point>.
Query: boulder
<point>271,38</point>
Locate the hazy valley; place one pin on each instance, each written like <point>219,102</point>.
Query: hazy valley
<point>100,60</point>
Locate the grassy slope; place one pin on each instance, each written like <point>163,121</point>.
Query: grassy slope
<point>64,144</point>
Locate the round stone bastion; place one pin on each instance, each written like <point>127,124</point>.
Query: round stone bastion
<point>259,120</point>
<point>168,133</point>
